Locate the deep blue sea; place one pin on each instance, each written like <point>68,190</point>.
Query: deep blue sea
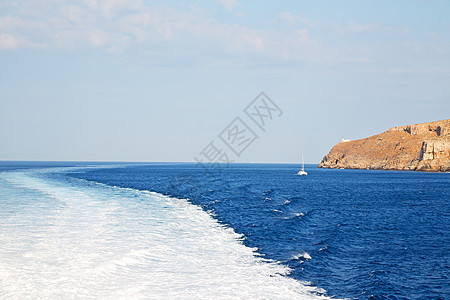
<point>355,234</point>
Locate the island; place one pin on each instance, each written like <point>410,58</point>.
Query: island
<point>418,147</point>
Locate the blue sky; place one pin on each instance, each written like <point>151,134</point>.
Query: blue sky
<point>158,80</point>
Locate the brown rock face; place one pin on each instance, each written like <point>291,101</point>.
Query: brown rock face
<point>419,147</point>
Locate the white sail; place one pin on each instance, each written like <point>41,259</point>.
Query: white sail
<point>302,171</point>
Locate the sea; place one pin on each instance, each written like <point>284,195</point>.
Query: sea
<point>71,230</point>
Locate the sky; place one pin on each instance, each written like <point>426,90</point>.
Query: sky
<point>116,80</point>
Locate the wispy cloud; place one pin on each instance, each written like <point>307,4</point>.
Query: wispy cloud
<point>118,25</point>
<point>164,33</point>
<point>229,4</point>
<point>8,42</point>
<point>353,27</point>
<point>290,18</point>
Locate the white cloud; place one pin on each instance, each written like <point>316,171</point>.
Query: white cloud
<point>8,42</point>
<point>92,4</point>
<point>365,60</point>
<point>165,34</point>
<point>98,38</point>
<point>229,4</point>
<point>357,28</point>
<point>115,26</point>
<point>290,18</point>
<point>112,7</point>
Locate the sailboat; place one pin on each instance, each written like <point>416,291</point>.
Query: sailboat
<point>302,171</point>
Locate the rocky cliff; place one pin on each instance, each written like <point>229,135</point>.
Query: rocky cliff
<point>419,147</point>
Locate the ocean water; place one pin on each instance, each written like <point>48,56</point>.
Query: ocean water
<point>252,231</point>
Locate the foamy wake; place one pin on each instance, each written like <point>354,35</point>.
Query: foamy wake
<point>80,240</point>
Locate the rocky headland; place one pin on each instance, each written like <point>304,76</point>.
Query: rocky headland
<point>418,147</point>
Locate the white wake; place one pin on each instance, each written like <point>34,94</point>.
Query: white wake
<point>82,240</point>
